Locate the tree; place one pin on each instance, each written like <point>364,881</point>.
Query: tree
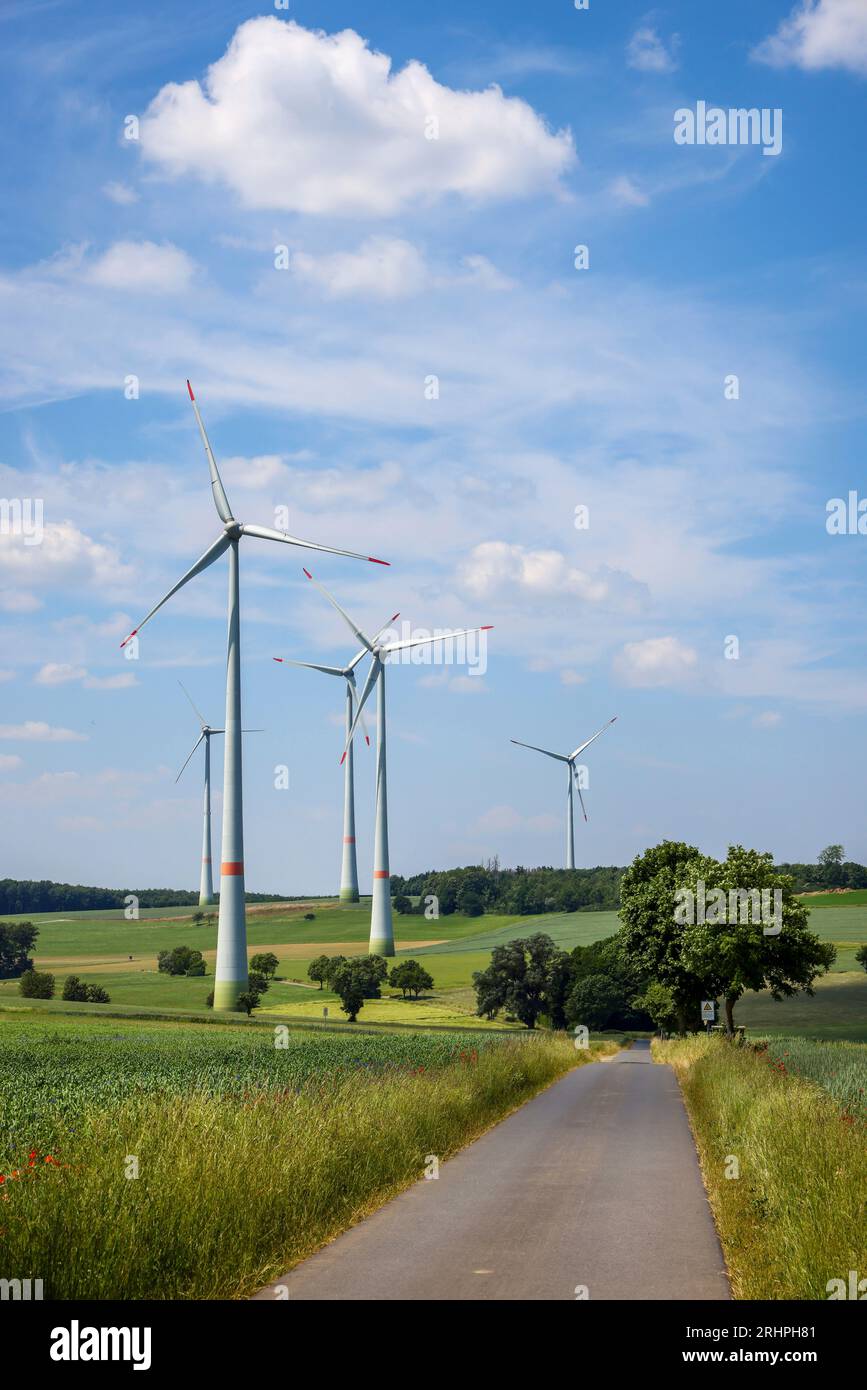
<point>198,918</point>
<point>309,916</point>
<point>861,957</point>
<point>831,862</point>
<point>732,950</point>
<point>97,995</point>
<point>74,989</point>
<point>375,969</point>
<point>334,964</point>
<point>350,982</point>
<point>318,969</point>
<point>248,1001</point>
<point>35,984</point>
<point>469,901</point>
<point>402,904</point>
<point>658,1002</point>
<point>257,983</point>
<point>651,939</point>
<point>16,939</point>
<point>594,1001</point>
<point>410,978</point>
<point>183,960</point>
<point>521,978</point>
<point>265,963</point>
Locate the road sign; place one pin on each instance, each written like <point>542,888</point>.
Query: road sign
<point>708,1011</point>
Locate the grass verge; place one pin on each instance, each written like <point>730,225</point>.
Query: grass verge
<point>234,1190</point>
<point>794,1217</point>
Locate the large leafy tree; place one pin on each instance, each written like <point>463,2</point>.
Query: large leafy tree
<point>16,939</point>
<point>737,948</point>
<point>652,941</point>
<point>410,978</point>
<point>526,978</point>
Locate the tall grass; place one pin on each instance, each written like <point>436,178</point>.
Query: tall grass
<point>794,1217</point>
<point>233,1190</point>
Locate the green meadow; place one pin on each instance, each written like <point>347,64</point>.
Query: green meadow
<point>97,946</point>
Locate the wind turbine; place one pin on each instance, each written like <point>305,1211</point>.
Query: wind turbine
<point>569,760</point>
<point>381,931</point>
<point>349,867</point>
<point>206,883</point>
<point>231,977</point>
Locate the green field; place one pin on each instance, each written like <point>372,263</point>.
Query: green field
<point>97,946</point>
<point>174,1161</point>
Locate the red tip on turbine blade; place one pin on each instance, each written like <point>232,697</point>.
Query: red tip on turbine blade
<point>394,618</point>
<point>276,658</point>
<point>129,639</point>
<point>307,572</point>
<point>489,628</point>
<point>190,389</point>
<point>343,759</point>
<point>367,739</point>
<point>373,560</point>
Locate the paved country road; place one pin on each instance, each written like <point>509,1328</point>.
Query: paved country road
<point>594,1182</point>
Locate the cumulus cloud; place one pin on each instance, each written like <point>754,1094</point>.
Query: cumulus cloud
<point>65,556</point>
<point>34,731</point>
<point>627,193</point>
<point>302,121</point>
<point>18,601</point>
<point>647,52</point>
<point>819,34</point>
<point>59,673</point>
<point>497,569</point>
<point>120,193</point>
<point>656,661</point>
<point>382,268</point>
<point>9,761</point>
<point>768,719</point>
<point>141,267</point>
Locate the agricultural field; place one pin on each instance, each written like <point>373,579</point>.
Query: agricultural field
<point>173,1161</point>
<point>840,1068</point>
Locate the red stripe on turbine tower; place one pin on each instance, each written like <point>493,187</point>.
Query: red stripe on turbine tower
<point>230,869</point>
<point>381,873</point>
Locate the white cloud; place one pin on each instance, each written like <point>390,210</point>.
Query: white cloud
<point>299,120</point>
<point>66,555</point>
<point>34,731</point>
<point>481,272</point>
<point>382,268</point>
<point>9,761</point>
<point>496,569</point>
<point>768,719</point>
<point>120,193</point>
<point>647,52</point>
<point>6,676</point>
<point>627,193</point>
<point>18,601</point>
<point>123,681</point>
<point>58,673</point>
<point>572,678</point>
<point>141,267</point>
<point>819,34</point>
<point>656,661</point>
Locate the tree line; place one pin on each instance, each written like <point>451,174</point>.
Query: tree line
<point>43,895</point>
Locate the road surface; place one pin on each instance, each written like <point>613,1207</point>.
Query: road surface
<point>593,1184</point>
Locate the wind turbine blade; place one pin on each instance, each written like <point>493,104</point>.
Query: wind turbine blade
<point>356,631</point>
<point>213,553</point>
<point>580,797</point>
<point>252,731</point>
<point>195,746</point>
<point>424,641</point>
<point>582,746</point>
<point>373,673</point>
<point>311,665</point>
<point>201,718</point>
<point>221,501</point>
<point>559,756</point>
<point>267,533</point>
<point>393,619</point>
<point>354,688</point>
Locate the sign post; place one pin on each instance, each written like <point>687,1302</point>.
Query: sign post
<point>708,1012</point>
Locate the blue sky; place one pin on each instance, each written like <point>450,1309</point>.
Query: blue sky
<point>409,257</point>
